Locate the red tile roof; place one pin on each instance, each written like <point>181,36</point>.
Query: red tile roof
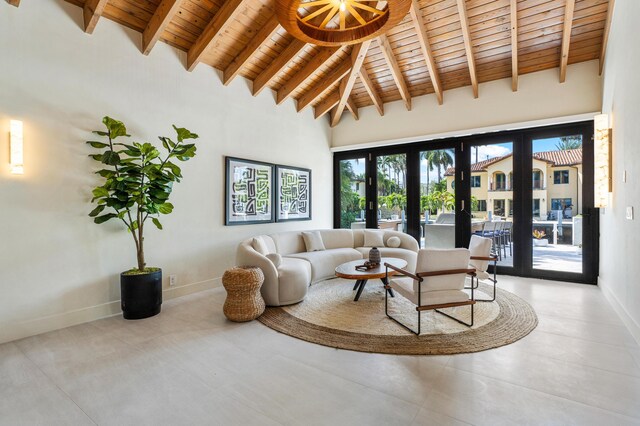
<point>569,157</point>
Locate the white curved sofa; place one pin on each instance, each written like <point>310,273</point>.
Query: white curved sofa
<point>288,282</point>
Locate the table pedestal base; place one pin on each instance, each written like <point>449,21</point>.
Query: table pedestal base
<point>359,285</point>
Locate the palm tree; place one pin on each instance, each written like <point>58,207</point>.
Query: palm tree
<point>432,160</point>
<point>569,142</point>
<point>443,159</point>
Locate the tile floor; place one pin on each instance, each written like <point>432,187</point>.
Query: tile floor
<point>189,366</point>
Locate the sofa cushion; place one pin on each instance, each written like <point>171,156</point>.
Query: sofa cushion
<point>324,263</point>
<point>313,241</point>
<point>337,238</point>
<point>393,242</point>
<point>399,253</point>
<point>373,238</point>
<point>260,246</point>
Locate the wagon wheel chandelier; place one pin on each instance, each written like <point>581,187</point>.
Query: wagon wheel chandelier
<point>339,22</point>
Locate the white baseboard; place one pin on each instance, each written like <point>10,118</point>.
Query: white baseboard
<point>91,313</point>
<point>629,322</point>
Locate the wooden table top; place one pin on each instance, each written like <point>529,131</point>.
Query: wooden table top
<point>348,270</point>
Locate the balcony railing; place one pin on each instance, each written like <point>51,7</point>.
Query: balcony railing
<point>503,187</point>
<point>499,187</point>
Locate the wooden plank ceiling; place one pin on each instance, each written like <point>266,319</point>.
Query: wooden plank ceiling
<point>439,46</point>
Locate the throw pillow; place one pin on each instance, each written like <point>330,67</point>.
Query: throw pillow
<point>260,246</point>
<point>313,241</point>
<point>275,258</point>
<point>393,242</point>
<point>373,238</point>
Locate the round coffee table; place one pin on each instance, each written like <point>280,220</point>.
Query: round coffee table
<point>348,270</point>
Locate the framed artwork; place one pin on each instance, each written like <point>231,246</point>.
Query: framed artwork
<point>293,193</point>
<point>249,192</point>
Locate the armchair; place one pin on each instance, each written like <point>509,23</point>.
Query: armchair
<point>480,249</point>
<point>437,284</point>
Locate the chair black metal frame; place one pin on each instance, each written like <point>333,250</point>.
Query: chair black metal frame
<point>494,280</point>
<point>419,277</point>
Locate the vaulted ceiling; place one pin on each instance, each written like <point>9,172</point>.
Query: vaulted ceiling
<point>440,45</point>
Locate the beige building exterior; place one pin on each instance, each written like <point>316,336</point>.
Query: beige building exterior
<point>557,184</point>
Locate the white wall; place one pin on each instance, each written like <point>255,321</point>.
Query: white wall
<point>56,266</point>
<point>540,99</point>
<point>620,274</point>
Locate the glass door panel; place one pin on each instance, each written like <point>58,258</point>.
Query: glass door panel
<point>392,192</point>
<point>437,199</point>
<point>557,221</point>
<point>492,208</point>
<point>352,193</point>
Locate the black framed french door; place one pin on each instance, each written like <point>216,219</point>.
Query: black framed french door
<point>533,188</point>
<point>401,188</point>
<point>492,193</point>
<point>441,192</point>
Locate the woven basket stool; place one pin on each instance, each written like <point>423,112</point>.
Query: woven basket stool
<point>244,301</point>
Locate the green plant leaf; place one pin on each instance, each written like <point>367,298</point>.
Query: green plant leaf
<point>111,158</point>
<point>165,208</point>
<point>174,169</point>
<point>104,218</point>
<point>100,133</point>
<point>156,222</point>
<point>96,144</point>
<point>106,173</point>
<point>116,128</point>
<point>97,157</point>
<point>100,192</point>
<point>184,133</point>
<point>95,212</point>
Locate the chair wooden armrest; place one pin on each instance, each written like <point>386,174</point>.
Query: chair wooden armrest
<point>469,271</point>
<point>484,258</point>
<point>403,272</point>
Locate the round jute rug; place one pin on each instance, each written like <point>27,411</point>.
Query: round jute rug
<point>329,316</point>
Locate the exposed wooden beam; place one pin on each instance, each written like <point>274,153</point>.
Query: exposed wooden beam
<point>566,38</point>
<point>514,45</point>
<point>15,3</point>
<point>605,36</point>
<point>165,11</point>
<point>325,83</point>
<point>325,106</point>
<point>464,23</point>
<point>425,46</point>
<point>264,34</point>
<point>266,76</point>
<point>371,90</point>
<point>322,57</point>
<point>91,12</point>
<point>217,25</point>
<point>358,54</point>
<point>390,58</point>
<point>353,109</point>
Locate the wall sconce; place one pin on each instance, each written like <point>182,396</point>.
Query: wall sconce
<point>17,148</point>
<point>602,160</point>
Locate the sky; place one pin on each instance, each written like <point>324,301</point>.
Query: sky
<point>484,152</point>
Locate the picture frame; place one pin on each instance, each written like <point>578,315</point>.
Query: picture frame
<point>293,199</point>
<point>249,192</point>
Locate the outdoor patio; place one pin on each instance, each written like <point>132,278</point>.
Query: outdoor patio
<point>554,257</point>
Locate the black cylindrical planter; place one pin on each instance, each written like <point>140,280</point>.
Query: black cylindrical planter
<point>141,295</point>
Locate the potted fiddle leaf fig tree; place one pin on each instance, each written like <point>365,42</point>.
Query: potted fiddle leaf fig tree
<point>136,182</point>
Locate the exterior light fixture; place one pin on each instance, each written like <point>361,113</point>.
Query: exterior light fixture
<point>602,160</point>
<point>17,148</point>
